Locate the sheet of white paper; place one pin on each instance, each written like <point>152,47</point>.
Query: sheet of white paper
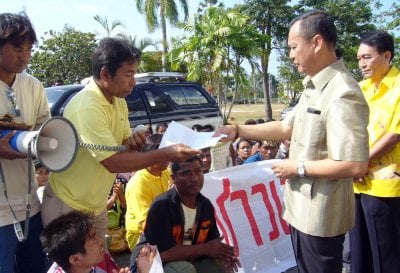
<point>178,133</point>
<point>157,267</point>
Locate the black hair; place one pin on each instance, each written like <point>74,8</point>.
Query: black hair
<point>197,127</point>
<point>38,164</point>
<point>152,142</point>
<point>161,124</point>
<point>260,120</point>
<point>66,236</point>
<point>111,53</point>
<point>207,128</point>
<point>242,140</point>
<point>175,165</point>
<point>250,121</point>
<point>15,29</point>
<point>379,39</point>
<point>317,22</point>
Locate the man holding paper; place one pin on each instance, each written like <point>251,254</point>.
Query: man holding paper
<point>329,146</point>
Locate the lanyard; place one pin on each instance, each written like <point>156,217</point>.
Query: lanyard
<point>21,235</point>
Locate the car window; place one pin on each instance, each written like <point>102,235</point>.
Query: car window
<point>136,106</point>
<point>53,96</point>
<point>158,102</point>
<point>185,95</point>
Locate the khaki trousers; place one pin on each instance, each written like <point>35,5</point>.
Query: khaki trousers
<point>53,207</point>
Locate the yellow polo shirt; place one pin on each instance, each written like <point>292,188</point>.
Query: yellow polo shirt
<point>384,105</point>
<point>86,184</point>
<point>142,189</point>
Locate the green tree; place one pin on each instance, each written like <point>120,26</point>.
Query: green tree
<point>65,55</point>
<point>203,5</point>
<point>150,60</point>
<point>389,20</point>
<point>107,27</point>
<point>271,18</point>
<point>349,25</point>
<point>218,43</point>
<point>167,11</point>
<point>290,86</point>
<point>142,44</point>
<point>351,18</point>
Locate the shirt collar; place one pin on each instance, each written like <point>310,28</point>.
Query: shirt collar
<point>92,86</point>
<point>319,80</point>
<point>390,78</point>
<point>388,81</point>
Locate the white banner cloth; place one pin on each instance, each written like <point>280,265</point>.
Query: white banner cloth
<point>248,208</point>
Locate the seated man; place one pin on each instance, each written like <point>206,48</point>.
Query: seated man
<point>71,241</point>
<point>181,223</point>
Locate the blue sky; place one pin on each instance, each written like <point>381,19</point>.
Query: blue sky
<point>55,14</point>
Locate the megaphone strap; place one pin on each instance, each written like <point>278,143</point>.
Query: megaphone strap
<point>21,235</point>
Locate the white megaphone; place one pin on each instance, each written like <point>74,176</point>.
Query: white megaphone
<point>55,144</point>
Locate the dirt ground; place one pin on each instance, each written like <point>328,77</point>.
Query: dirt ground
<point>241,112</point>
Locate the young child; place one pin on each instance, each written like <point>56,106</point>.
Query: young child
<point>71,241</point>
<point>42,176</point>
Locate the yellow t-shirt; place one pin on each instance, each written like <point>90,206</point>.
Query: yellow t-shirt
<point>384,105</point>
<point>86,184</point>
<point>142,189</point>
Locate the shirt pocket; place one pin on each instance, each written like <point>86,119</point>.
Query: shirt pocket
<point>312,130</point>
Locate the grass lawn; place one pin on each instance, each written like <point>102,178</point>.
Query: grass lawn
<point>241,112</point>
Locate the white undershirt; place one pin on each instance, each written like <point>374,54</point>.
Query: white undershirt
<point>190,217</point>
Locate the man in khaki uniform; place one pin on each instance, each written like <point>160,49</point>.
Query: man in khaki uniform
<point>329,146</point>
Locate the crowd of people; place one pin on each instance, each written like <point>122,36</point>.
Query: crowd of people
<point>339,156</point>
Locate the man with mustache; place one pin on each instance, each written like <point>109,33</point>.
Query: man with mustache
<point>329,146</point>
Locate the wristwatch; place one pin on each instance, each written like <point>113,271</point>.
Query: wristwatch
<point>301,170</point>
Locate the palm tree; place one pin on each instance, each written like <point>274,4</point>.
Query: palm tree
<point>167,11</point>
<point>220,41</point>
<point>150,61</point>
<point>141,44</point>
<point>109,28</point>
<point>203,5</point>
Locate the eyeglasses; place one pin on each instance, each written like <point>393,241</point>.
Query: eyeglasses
<point>11,99</point>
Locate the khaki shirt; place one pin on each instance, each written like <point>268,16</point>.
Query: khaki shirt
<point>330,121</point>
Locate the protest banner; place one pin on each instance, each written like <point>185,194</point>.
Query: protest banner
<point>248,208</point>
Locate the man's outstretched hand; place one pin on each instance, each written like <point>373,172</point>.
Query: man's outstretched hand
<point>231,132</point>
